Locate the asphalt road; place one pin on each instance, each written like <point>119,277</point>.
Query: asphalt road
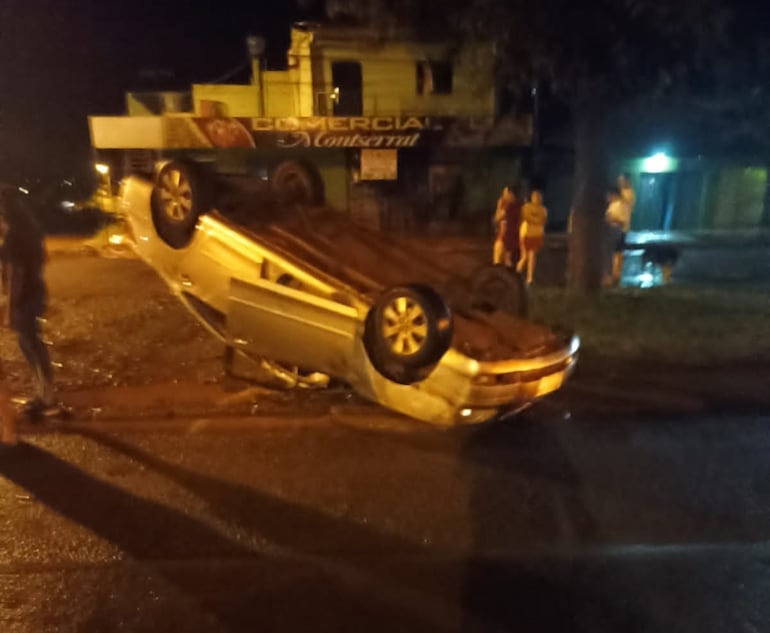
<point>315,512</point>
<point>549,523</point>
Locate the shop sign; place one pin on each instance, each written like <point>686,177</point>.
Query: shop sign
<point>297,132</point>
<point>375,133</point>
<point>364,132</point>
<point>379,164</point>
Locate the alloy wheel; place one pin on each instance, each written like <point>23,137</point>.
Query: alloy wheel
<point>405,326</point>
<point>175,195</point>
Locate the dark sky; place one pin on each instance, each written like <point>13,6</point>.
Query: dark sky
<point>61,60</point>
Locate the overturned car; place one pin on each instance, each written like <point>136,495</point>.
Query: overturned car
<point>304,287</point>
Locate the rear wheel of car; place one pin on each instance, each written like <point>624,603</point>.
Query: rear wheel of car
<point>408,330</point>
<point>180,195</point>
<point>294,182</point>
<point>499,288</point>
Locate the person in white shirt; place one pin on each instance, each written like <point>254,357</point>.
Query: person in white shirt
<point>618,220</point>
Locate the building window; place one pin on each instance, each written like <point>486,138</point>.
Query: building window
<point>434,78</point>
<point>347,77</point>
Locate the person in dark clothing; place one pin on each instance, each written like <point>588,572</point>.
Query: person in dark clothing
<point>23,259</point>
<point>511,231</point>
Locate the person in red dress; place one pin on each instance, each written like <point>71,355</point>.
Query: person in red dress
<point>510,228</point>
<point>532,233</point>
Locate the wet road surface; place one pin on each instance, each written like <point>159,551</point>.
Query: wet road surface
<point>548,523</point>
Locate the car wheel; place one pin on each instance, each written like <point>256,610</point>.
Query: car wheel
<point>499,288</point>
<point>180,195</point>
<point>408,331</point>
<point>297,183</point>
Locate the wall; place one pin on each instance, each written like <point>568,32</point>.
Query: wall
<point>302,70</point>
<point>122,132</point>
<point>389,76</point>
<point>154,103</point>
<point>281,90</point>
<point>736,198</point>
<point>239,100</point>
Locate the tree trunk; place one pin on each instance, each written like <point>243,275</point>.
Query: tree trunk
<point>586,237</point>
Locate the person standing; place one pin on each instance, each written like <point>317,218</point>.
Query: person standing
<point>23,258</point>
<point>617,222</point>
<point>510,229</point>
<point>628,200</point>
<point>531,233</point>
<point>498,250</point>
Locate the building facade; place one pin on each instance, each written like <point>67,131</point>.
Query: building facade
<point>398,132</point>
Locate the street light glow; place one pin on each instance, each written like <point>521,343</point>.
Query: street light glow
<point>658,163</point>
<point>102,168</point>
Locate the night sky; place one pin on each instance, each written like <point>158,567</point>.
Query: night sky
<point>61,60</point>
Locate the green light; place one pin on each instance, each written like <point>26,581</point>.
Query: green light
<point>658,163</point>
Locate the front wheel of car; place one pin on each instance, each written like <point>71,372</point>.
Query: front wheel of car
<point>181,193</point>
<point>408,330</point>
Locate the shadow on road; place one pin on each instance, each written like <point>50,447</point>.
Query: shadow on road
<point>395,571</point>
<point>241,589</point>
<point>300,529</point>
<point>527,507</point>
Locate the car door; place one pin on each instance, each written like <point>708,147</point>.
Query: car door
<point>291,325</point>
<point>217,254</point>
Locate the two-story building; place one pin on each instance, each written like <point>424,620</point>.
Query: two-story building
<point>393,131</point>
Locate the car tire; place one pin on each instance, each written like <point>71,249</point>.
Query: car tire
<point>182,192</point>
<point>408,330</point>
<point>497,287</point>
<point>294,182</point>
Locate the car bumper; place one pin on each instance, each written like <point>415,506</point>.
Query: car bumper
<point>461,390</point>
<point>498,384</point>
<point>481,390</point>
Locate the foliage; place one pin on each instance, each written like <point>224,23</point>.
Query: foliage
<point>671,325</point>
<point>611,48</point>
